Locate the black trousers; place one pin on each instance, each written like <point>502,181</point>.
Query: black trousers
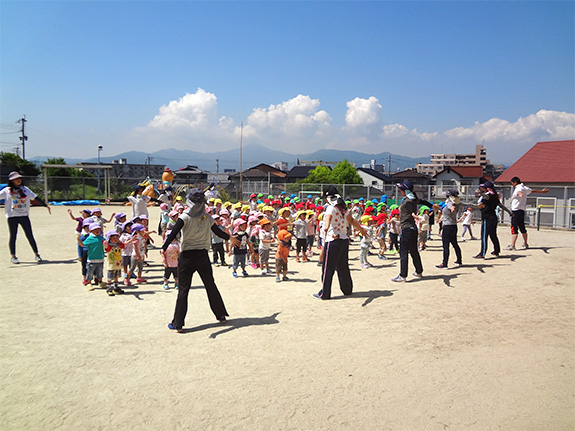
<point>336,258</point>
<point>23,221</point>
<point>408,246</point>
<point>189,262</point>
<point>218,250</point>
<point>449,236</point>
<point>489,231</point>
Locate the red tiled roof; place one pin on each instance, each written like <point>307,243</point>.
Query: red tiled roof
<point>545,162</point>
<point>465,171</point>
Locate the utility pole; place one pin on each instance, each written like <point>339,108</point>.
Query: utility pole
<point>23,138</point>
<point>217,166</point>
<point>388,166</point>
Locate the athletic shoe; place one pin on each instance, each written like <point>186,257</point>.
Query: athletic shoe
<point>364,265</point>
<point>173,328</point>
<point>305,259</point>
<point>110,292</point>
<point>457,264</point>
<point>284,278</point>
<point>524,246</point>
<point>319,263</point>
<point>278,279</point>
<point>263,272</point>
<point>166,286</point>
<point>175,285</point>
<point>297,259</point>
<point>224,264</point>
<point>38,258</point>
<point>103,285</point>
<point>494,254</point>
<point>15,260</point>
<point>316,295</point>
<point>398,279</point>
<point>85,282</point>
<point>141,280</point>
<point>90,287</point>
<point>510,248</point>
<point>222,319</point>
<point>127,282</point>
<point>382,257</point>
<point>441,266</point>
<point>462,239</point>
<point>269,271</point>
<point>479,256</point>
<point>418,275</point>
<point>216,264</point>
<point>235,274</point>
<point>245,274</point>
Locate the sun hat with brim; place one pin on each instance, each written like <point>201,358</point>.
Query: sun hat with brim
<point>136,227</point>
<point>119,216</point>
<point>126,224</point>
<point>111,233</point>
<point>407,185</point>
<point>238,223</point>
<point>87,222</point>
<point>14,175</point>
<point>284,235</point>
<point>264,221</point>
<point>87,211</point>
<point>94,226</point>
<point>96,210</point>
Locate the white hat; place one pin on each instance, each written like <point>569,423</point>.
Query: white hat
<point>13,175</point>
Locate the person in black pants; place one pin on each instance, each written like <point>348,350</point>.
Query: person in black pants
<point>409,233</point>
<point>196,227</point>
<point>450,215</point>
<point>488,203</point>
<point>18,198</point>
<point>336,246</point>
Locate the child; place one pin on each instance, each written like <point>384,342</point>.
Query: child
<point>394,231</point>
<point>381,232</point>
<point>128,249</point>
<point>254,241</point>
<point>423,226</point>
<point>320,238</point>
<point>266,240</point>
<point>282,255</point>
<point>170,258</point>
<point>94,244</point>
<point>164,219</point>
<point>83,249</point>
<point>120,220</point>
<point>310,230</point>
<point>218,243</point>
<point>80,226</point>
<point>139,252</point>
<point>97,217</point>
<point>113,247</point>
<point>366,240</point>
<point>241,249</point>
<point>467,221</point>
<point>299,228</point>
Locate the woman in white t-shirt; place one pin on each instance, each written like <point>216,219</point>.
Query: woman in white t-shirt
<point>17,208</point>
<point>336,246</point>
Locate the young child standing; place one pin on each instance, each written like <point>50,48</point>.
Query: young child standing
<point>94,244</point>
<point>282,255</point>
<point>170,259</point>
<point>266,240</point>
<point>300,232</point>
<point>83,250</point>
<point>466,221</point>
<point>366,240</point>
<point>113,247</point>
<point>138,253</point>
<point>241,250</point>
<point>394,231</point>
<point>423,227</point>
<point>218,243</point>
<point>125,237</point>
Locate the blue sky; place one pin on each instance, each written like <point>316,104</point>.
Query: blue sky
<point>412,78</point>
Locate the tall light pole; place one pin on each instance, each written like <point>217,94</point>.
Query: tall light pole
<point>100,148</point>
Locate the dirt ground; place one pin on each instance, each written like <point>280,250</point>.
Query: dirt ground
<point>489,345</point>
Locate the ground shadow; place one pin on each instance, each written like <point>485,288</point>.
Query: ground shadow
<point>544,249</point>
<point>300,280</point>
<point>445,277</point>
<point>137,293</point>
<point>233,324</point>
<point>369,295</point>
<point>511,257</point>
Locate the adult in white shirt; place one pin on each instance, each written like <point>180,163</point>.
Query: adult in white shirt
<point>518,207</point>
<point>17,209</point>
<point>336,246</point>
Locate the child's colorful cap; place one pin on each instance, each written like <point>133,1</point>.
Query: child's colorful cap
<point>163,206</point>
<point>173,213</point>
<point>94,226</point>
<point>136,227</point>
<point>119,216</point>
<point>87,222</point>
<point>126,224</point>
<point>110,234</point>
<point>87,211</point>
<point>264,221</point>
<point>284,235</point>
<point>96,210</point>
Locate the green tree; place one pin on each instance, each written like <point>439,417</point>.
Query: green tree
<point>26,168</point>
<point>318,175</point>
<point>345,173</point>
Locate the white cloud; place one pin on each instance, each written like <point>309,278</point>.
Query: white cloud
<point>299,126</point>
<point>362,112</point>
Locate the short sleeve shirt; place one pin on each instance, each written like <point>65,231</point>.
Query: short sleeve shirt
<point>337,227</point>
<point>16,205</point>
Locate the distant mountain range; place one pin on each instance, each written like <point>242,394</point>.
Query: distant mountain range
<point>252,155</point>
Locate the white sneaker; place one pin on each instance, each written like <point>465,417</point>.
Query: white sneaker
<point>462,239</point>
<point>524,246</point>
<point>263,272</point>
<point>510,248</point>
<point>38,258</point>
<point>415,274</point>
<point>14,260</point>
<point>398,279</point>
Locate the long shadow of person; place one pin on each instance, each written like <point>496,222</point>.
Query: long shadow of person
<point>370,295</point>
<point>445,277</point>
<point>511,257</point>
<point>233,324</point>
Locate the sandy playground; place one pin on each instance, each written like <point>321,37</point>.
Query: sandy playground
<point>486,346</point>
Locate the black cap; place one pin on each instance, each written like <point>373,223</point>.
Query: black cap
<point>196,196</point>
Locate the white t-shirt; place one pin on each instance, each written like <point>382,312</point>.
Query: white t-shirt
<point>468,218</point>
<point>139,205</point>
<point>519,197</point>
<point>263,234</point>
<point>337,225</point>
<point>15,205</point>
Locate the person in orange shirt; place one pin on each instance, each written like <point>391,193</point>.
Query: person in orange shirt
<point>284,238</point>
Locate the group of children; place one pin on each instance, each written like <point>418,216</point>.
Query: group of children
<point>260,225</point>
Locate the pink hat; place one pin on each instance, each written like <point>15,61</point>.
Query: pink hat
<point>173,213</point>
<point>252,219</point>
<point>237,223</point>
<point>164,206</point>
<point>224,212</point>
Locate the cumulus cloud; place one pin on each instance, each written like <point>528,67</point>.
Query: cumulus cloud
<point>298,125</point>
<point>362,112</point>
